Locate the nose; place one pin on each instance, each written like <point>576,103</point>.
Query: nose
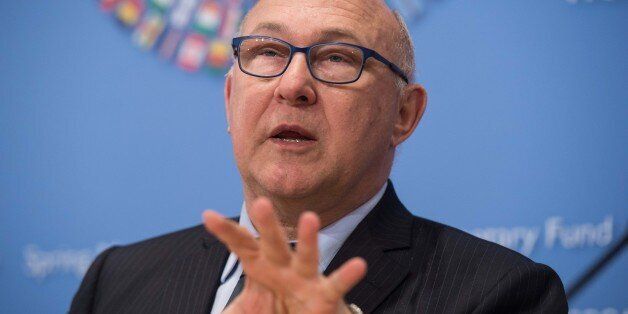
<point>296,83</point>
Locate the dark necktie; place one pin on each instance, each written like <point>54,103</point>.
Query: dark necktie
<point>240,285</point>
<point>238,288</point>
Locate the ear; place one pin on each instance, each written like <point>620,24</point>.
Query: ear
<point>227,92</point>
<point>409,112</point>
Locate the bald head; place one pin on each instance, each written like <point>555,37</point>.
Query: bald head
<point>388,27</point>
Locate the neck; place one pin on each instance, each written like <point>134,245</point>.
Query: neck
<point>330,206</point>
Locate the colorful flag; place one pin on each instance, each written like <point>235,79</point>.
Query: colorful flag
<point>193,34</point>
<point>219,54</point>
<point>232,19</point>
<point>208,17</point>
<point>192,51</point>
<point>160,5</point>
<point>129,12</point>
<point>181,13</point>
<point>169,43</point>
<point>178,20</point>
<point>150,28</point>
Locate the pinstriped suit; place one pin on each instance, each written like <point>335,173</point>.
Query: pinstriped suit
<point>415,266</point>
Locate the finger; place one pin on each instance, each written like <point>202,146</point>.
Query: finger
<point>347,276</point>
<point>307,248</point>
<point>273,240</point>
<point>237,238</point>
<point>253,296</point>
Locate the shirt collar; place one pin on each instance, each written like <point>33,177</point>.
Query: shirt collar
<point>330,238</point>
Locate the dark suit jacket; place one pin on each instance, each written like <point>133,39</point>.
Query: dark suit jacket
<point>414,266</point>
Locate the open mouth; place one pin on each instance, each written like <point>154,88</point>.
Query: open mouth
<point>292,134</point>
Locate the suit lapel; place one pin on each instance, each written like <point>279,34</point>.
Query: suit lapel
<point>383,240</point>
<point>194,278</point>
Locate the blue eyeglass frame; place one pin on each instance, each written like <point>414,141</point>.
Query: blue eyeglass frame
<point>366,53</point>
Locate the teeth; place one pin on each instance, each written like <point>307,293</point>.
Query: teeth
<point>292,140</point>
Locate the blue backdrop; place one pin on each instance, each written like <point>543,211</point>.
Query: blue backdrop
<point>524,141</point>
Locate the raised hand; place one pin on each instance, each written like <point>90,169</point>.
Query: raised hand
<point>279,280</point>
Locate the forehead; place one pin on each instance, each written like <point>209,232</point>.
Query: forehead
<point>303,22</point>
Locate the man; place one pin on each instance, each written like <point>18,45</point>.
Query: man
<point>316,106</point>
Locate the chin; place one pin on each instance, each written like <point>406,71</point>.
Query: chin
<point>288,182</point>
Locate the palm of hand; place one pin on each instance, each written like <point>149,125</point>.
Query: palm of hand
<point>279,280</point>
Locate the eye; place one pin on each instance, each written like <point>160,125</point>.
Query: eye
<point>336,58</point>
<point>268,53</point>
<point>339,58</point>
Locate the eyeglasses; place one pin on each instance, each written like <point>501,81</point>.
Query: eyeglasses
<point>337,63</point>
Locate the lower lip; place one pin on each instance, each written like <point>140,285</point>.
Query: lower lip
<point>293,144</point>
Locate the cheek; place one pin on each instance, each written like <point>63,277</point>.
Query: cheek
<point>249,102</point>
<point>358,124</point>
<point>247,114</point>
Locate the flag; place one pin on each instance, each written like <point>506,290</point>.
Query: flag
<point>208,18</point>
<point>129,12</point>
<point>150,28</point>
<point>160,5</point>
<point>181,13</point>
<point>192,51</point>
<point>178,20</point>
<point>232,19</point>
<point>170,42</point>
<point>193,34</point>
<point>219,54</point>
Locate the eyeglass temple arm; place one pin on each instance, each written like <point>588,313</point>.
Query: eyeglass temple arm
<point>391,65</point>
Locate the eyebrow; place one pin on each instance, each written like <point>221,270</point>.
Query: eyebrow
<point>270,27</point>
<point>324,35</point>
<point>334,33</point>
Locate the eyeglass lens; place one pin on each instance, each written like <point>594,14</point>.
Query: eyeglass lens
<point>336,63</point>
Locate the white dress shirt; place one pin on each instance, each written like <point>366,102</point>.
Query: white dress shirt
<point>330,239</point>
